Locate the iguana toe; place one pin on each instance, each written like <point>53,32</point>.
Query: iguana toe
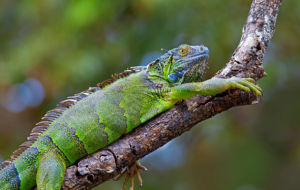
<point>131,171</point>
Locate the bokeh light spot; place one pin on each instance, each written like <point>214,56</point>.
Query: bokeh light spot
<point>19,96</point>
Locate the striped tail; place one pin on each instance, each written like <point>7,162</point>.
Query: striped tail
<point>21,173</point>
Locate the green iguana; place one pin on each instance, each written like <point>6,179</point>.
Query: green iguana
<point>92,119</point>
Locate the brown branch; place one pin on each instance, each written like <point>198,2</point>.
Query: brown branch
<point>246,61</point>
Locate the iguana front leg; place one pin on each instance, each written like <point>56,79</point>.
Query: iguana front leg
<point>213,86</point>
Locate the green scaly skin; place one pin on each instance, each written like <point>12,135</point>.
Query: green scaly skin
<point>102,117</point>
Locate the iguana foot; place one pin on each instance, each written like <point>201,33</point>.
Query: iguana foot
<point>246,84</point>
<point>131,171</point>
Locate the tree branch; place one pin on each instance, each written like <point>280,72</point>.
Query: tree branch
<point>246,61</point>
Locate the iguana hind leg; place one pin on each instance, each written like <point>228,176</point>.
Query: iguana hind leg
<point>51,171</point>
<point>131,171</point>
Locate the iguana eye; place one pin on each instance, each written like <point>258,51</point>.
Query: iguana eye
<point>184,49</point>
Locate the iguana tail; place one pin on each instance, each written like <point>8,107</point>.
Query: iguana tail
<point>45,168</point>
<point>20,174</point>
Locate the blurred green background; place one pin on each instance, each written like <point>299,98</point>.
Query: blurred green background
<point>52,49</point>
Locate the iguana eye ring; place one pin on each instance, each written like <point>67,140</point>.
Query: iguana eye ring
<point>183,50</point>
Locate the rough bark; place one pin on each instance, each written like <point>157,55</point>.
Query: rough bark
<point>246,61</point>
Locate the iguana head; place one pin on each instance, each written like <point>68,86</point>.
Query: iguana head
<point>184,64</point>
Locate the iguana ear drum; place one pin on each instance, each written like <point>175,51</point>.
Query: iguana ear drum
<point>174,77</point>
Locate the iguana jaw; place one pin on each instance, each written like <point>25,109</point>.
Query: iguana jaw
<point>192,67</point>
<point>194,60</point>
<point>196,70</point>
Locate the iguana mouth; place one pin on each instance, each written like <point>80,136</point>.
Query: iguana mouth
<point>198,59</point>
<point>200,55</point>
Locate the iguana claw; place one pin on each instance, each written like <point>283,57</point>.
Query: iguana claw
<point>245,84</point>
<point>131,171</point>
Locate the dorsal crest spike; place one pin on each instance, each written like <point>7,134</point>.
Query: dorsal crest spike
<point>55,113</point>
<point>150,65</point>
<point>164,50</point>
